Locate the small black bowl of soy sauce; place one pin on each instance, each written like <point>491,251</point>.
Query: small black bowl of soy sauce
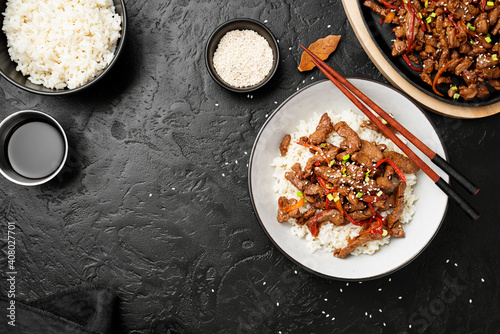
<point>33,147</point>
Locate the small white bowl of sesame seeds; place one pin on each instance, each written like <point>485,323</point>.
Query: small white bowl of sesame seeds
<point>242,55</point>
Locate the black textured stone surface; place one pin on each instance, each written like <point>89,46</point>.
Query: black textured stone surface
<point>154,202</point>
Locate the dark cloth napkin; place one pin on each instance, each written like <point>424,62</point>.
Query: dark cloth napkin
<point>83,310</point>
<point>78,311</point>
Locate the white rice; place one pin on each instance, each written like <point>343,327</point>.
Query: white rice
<point>331,236</point>
<point>61,44</point>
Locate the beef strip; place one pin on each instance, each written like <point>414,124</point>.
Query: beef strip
<point>351,208</point>
<point>397,230</point>
<point>332,216</point>
<point>311,163</point>
<point>314,189</point>
<point>284,144</point>
<point>403,163</point>
<point>393,217</point>
<point>351,198</point>
<point>361,215</point>
<point>353,141</point>
<point>468,93</point>
<point>283,202</point>
<point>327,173</point>
<point>362,159</point>
<point>299,183</point>
<point>323,130</point>
<point>371,151</point>
<point>304,217</point>
<point>355,243</point>
<point>356,172</point>
<point>384,183</point>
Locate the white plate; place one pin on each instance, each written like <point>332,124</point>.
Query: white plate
<point>320,97</point>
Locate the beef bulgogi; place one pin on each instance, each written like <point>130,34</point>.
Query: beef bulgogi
<point>357,182</point>
<point>453,43</point>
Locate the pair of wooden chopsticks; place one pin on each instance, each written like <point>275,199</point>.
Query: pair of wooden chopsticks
<point>349,90</point>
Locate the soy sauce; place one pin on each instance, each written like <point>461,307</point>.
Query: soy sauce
<point>35,149</point>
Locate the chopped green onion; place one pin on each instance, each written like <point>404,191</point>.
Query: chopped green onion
<point>300,194</point>
<point>454,88</point>
<point>332,163</point>
<point>328,186</point>
<point>384,233</point>
<point>323,145</point>
<point>433,14</point>
<point>487,39</point>
<point>419,14</point>
<point>384,121</point>
<point>336,199</point>
<point>494,57</point>
<point>456,96</point>
<point>330,197</point>
<point>380,193</point>
<point>491,4</point>
<point>428,19</point>
<point>470,27</point>
<point>426,3</point>
<point>472,42</point>
<point>359,195</point>
<point>345,157</point>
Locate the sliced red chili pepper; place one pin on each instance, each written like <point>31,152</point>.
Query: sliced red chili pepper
<point>393,165</point>
<point>452,20</point>
<point>388,5</point>
<point>316,148</point>
<point>415,14</point>
<point>483,4</point>
<point>372,209</point>
<point>294,206</point>
<point>405,57</point>
<point>314,229</point>
<point>322,182</point>
<point>436,78</point>
<point>378,227</point>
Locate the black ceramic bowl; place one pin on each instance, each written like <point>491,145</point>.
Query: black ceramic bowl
<point>383,37</point>
<point>240,24</point>
<point>8,67</point>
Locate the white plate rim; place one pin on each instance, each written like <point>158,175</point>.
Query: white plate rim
<point>295,261</point>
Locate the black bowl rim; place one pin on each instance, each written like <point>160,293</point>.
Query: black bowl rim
<point>293,260</point>
<point>118,51</point>
<point>250,88</point>
<point>415,84</point>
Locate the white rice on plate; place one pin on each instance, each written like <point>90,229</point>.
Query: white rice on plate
<point>61,44</point>
<point>332,237</point>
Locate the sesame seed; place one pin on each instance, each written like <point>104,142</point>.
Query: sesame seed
<point>255,58</point>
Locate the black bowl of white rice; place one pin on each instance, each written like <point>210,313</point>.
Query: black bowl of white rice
<point>53,47</point>
<point>242,55</point>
